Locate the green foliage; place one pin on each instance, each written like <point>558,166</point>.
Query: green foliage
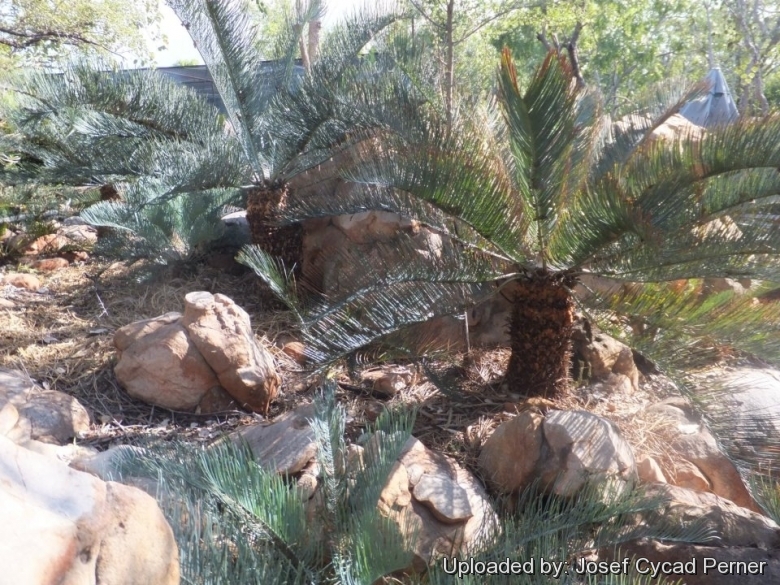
<point>46,32</point>
<point>237,523</point>
<point>559,186</point>
<point>600,517</point>
<point>162,145</point>
<point>169,152</point>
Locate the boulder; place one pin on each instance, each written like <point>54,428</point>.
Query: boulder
<point>649,471</point>
<point>510,455</point>
<point>63,526</point>
<point>286,446</point>
<point>580,448</point>
<point>731,524</point>
<point>206,359</point>
<point>163,367</point>
<point>601,357</point>
<point>564,449</point>
<point>692,442</point>
<point>222,332</point>
<point>429,496</point>
<point>48,416</point>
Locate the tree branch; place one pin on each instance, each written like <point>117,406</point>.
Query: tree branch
<point>419,9</point>
<point>31,38</point>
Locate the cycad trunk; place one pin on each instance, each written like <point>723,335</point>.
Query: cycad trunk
<point>264,202</point>
<point>540,335</point>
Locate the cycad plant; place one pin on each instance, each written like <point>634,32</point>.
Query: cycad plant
<point>90,127</point>
<point>532,200</point>
<point>157,152</point>
<point>236,522</point>
<point>289,124</point>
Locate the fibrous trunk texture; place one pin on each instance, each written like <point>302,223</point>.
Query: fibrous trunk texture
<point>264,202</point>
<point>540,332</point>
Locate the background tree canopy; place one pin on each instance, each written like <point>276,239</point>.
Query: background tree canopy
<point>36,32</point>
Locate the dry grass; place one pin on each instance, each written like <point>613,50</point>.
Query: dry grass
<point>62,335</point>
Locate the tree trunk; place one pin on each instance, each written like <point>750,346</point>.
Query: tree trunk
<point>449,63</point>
<point>286,242</point>
<point>540,332</point>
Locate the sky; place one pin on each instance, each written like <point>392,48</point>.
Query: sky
<point>179,44</point>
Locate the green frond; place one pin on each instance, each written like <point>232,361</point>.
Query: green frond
<point>162,228</point>
<point>541,130</point>
<point>236,522</point>
<point>455,173</point>
<point>561,530</point>
<point>226,37</point>
<point>274,273</point>
<point>397,286</point>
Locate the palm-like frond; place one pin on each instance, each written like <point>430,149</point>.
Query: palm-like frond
<point>226,37</point>
<point>560,531</point>
<point>399,286</point>
<point>221,503</point>
<point>165,228</point>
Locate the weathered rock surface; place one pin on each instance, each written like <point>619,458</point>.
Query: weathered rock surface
<point>510,455</point>
<point>565,449</point>
<point>222,332</point>
<point>63,526</point>
<point>732,524</point>
<point>26,281</point>
<point>694,444</point>
<point>50,264</point>
<point>649,471</point>
<point>206,359</point>
<point>429,495</point>
<point>287,445</point>
<point>388,380</point>
<point>43,415</point>
<point>163,367</point>
<point>583,447</point>
<point>602,357</point>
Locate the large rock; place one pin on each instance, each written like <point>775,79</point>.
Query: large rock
<point>603,357</point>
<point>750,408</point>
<point>566,450</point>
<point>163,367</point>
<point>510,455</point>
<point>286,446</point>
<point>63,526</point>
<point>442,505</point>
<point>732,525</point>
<point>46,415</point>
<point>206,359</point>
<point>222,332</point>
<point>583,448</point>
<point>691,442</point>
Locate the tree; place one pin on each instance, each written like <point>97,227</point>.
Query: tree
<point>453,23</point>
<point>557,191</point>
<point>47,31</point>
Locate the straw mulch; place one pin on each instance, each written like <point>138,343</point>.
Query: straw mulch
<point>62,336</point>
